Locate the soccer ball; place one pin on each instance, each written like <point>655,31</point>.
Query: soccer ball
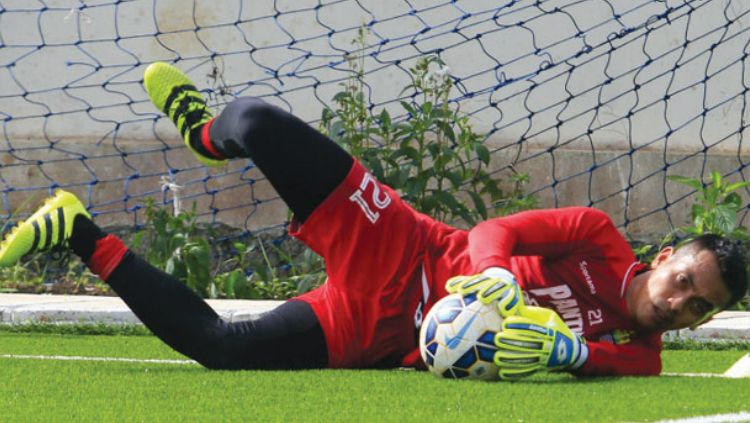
<point>457,338</point>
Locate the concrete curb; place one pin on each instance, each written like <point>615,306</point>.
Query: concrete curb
<point>30,308</point>
<point>727,325</point>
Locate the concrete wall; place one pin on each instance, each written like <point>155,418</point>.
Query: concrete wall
<point>597,100</point>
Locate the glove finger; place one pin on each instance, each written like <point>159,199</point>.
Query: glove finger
<point>472,284</point>
<point>516,359</point>
<point>519,323</point>
<point>493,291</point>
<point>514,374</point>
<point>453,284</point>
<point>511,341</point>
<point>511,301</point>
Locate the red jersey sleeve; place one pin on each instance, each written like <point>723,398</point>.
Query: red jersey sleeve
<point>639,357</point>
<point>547,233</point>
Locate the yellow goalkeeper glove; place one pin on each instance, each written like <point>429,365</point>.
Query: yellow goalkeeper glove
<point>494,284</point>
<point>537,339</point>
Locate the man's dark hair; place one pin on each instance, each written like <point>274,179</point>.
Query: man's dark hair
<point>731,257</point>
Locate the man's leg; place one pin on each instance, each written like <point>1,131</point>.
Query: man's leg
<point>288,337</point>
<point>303,165</point>
<point>285,338</point>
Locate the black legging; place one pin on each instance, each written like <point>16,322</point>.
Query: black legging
<point>302,164</point>
<point>304,167</point>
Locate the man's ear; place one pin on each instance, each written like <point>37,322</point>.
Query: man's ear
<point>662,256</point>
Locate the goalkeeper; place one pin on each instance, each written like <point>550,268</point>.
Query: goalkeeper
<point>602,313</point>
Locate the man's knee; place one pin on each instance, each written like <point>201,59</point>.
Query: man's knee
<point>255,116</point>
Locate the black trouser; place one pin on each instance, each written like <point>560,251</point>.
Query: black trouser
<point>304,167</point>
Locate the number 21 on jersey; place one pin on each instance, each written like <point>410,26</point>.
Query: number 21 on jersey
<point>378,200</point>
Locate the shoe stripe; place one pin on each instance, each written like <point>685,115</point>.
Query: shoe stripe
<point>48,229</point>
<point>61,224</point>
<point>35,244</point>
<point>176,91</point>
<point>194,116</point>
<point>188,111</point>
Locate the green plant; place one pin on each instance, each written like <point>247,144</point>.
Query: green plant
<point>717,208</point>
<point>173,245</point>
<point>305,270</point>
<point>254,274</point>
<point>433,156</point>
<point>715,211</point>
<point>21,276</point>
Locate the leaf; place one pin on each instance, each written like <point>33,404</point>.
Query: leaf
<point>733,200</point>
<point>478,204</point>
<point>716,179</point>
<point>341,96</point>
<point>406,151</point>
<point>456,178</point>
<point>692,183</point>
<point>403,175</point>
<point>711,195</point>
<point>176,268</point>
<point>434,150</point>
<point>725,220</point>
<point>447,129</point>
<point>483,153</point>
<point>198,261</point>
<point>427,108</point>
<point>376,167</point>
<point>385,119</point>
<point>737,185</point>
<point>448,200</point>
<point>697,211</point>
<point>408,108</point>
<point>137,239</point>
<point>337,130</point>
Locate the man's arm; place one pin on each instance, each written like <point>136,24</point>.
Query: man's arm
<point>537,339</point>
<point>639,357</point>
<point>548,233</point>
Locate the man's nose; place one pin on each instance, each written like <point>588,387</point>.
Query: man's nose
<point>677,301</point>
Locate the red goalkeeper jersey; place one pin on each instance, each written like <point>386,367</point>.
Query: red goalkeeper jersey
<point>387,265</point>
<point>572,260</point>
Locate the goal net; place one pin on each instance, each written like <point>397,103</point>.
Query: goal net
<point>597,100</point>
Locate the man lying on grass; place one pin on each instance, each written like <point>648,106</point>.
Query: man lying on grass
<point>388,264</point>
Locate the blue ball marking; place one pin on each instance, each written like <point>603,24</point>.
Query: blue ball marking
<point>452,303</point>
<point>486,353</point>
<point>466,360</point>
<point>458,373</point>
<point>487,338</point>
<point>432,348</point>
<point>431,329</point>
<point>447,315</point>
<point>430,359</point>
<point>470,298</point>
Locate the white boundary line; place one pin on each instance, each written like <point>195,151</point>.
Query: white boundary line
<point>166,361</point>
<point>105,359</point>
<point>692,374</point>
<point>742,416</point>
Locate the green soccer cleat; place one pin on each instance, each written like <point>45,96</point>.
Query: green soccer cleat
<point>48,227</point>
<point>174,93</point>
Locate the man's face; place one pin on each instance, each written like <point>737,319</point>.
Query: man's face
<point>680,291</point>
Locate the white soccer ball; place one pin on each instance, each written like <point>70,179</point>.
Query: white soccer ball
<point>457,338</point>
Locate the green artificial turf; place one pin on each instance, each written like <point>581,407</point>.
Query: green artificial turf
<point>39,390</point>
